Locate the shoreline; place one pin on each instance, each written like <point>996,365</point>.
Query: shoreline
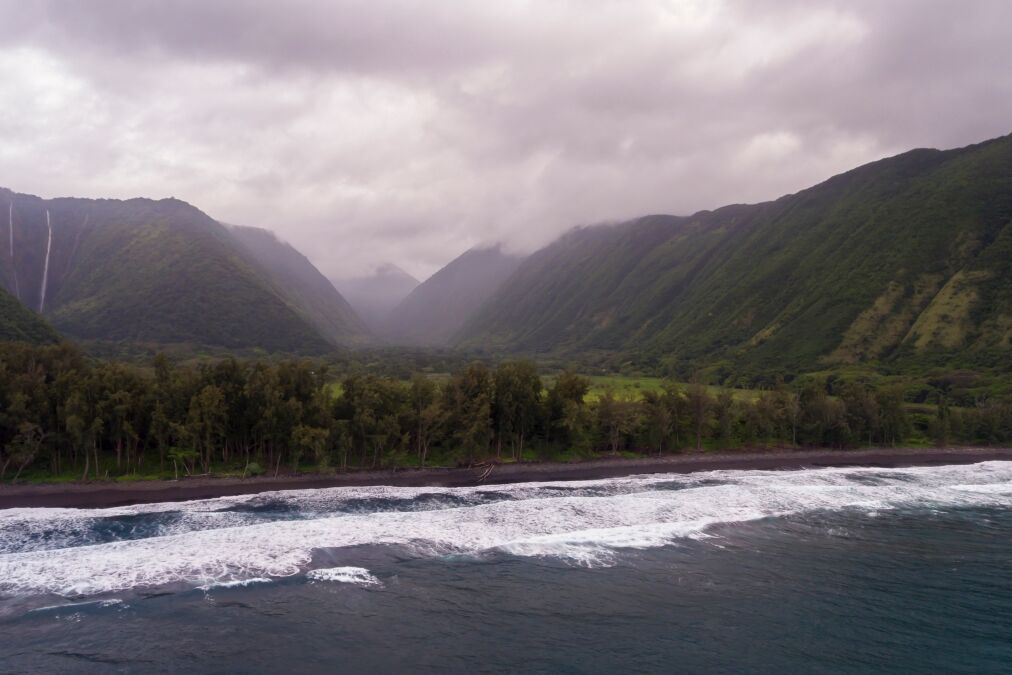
<point>104,494</point>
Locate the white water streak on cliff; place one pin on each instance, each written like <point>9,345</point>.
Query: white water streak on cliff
<point>45,268</point>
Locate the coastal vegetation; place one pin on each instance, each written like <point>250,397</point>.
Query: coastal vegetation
<point>66,416</point>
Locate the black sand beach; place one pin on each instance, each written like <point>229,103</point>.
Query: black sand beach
<point>101,494</point>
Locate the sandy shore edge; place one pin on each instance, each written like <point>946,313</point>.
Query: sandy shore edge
<point>102,494</point>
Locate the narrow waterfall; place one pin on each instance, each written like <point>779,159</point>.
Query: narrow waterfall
<point>10,229</point>
<point>45,268</point>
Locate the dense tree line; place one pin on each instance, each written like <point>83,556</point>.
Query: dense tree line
<point>65,414</point>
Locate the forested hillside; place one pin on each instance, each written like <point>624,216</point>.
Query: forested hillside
<point>149,271</point>
<point>906,260</point>
<point>440,305</point>
<point>21,324</point>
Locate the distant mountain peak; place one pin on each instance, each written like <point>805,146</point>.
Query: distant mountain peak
<point>390,270</point>
<point>374,296</point>
<point>438,307</point>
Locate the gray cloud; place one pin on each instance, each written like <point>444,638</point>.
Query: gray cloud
<point>367,132</point>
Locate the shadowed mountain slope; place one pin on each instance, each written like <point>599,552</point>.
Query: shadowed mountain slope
<point>303,286</point>
<point>436,310</point>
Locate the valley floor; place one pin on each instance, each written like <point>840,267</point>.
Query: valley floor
<point>101,494</point>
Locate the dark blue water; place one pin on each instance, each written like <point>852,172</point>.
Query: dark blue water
<point>808,571</point>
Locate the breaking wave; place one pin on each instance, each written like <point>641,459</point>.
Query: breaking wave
<point>256,538</point>
<point>234,583</point>
<point>348,575</point>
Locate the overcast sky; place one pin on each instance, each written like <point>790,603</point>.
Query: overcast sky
<point>368,131</point>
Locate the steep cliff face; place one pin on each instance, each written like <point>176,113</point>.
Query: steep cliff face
<point>908,257</point>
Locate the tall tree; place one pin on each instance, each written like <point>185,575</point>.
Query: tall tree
<point>517,402</point>
<point>700,410</point>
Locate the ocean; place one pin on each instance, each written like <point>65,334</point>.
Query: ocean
<point>817,571</point>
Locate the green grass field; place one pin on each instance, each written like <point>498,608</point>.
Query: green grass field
<point>625,387</point>
<point>632,388</point>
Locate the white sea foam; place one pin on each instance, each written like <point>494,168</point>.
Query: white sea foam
<point>586,522</point>
<point>348,575</point>
<point>46,529</point>
<point>235,583</point>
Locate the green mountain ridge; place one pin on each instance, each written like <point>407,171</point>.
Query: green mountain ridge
<point>148,271</point>
<point>906,258</point>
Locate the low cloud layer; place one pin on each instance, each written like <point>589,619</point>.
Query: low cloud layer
<point>368,131</point>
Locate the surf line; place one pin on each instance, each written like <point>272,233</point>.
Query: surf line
<point>45,268</point>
